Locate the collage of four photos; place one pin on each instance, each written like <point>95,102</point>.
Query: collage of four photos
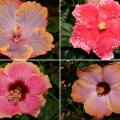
<point>59,60</point>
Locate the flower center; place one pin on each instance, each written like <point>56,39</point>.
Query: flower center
<point>15,95</point>
<point>17,91</point>
<point>16,34</point>
<point>102,88</point>
<point>102,26</point>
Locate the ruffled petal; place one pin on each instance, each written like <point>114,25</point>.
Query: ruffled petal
<point>7,14</point>
<point>14,1</point>
<point>111,73</point>
<point>83,37</point>
<point>86,14</point>
<point>108,40</point>
<point>113,27</point>
<point>32,14</point>
<point>4,42</point>
<point>38,84</point>
<point>32,104</point>
<point>81,90</point>
<point>105,46</point>
<point>104,55</point>
<point>91,74</point>
<point>85,33</point>
<point>19,52</point>
<point>7,21</point>
<point>114,99</point>
<point>97,106</point>
<point>8,109</point>
<point>21,70</point>
<point>4,84</point>
<point>108,9</point>
<point>40,41</point>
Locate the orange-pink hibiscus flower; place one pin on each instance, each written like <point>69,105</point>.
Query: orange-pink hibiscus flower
<point>97,28</point>
<point>23,29</point>
<point>98,89</point>
<point>22,87</point>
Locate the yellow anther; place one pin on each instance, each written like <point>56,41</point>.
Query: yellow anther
<point>17,30</point>
<point>36,30</point>
<point>15,95</point>
<point>100,90</point>
<point>102,25</point>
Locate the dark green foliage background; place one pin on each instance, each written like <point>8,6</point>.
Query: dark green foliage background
<point>67,23</point>
<point>72,110</point>
<point>51,109</point>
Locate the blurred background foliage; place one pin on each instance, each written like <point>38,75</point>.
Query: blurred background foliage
<point>72,110</point>
<point>67,23</point>
<point>53,27</point>
<point>51,109</point>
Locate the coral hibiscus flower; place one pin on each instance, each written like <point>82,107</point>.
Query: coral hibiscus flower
<point>97,28</point>
<point>23,29</point>
<point>22,87</point>
<point>98,89</point>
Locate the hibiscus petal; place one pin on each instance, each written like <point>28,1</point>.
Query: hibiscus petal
<point>97,106</point>
<point>108,9</point>
<point>109,40</point>
<point>41,42</point>
<point>19,52</point>
<point>114,99</point>
<point>103,54</point>
<point>4,42</point>
<point>92,74</point>
<point>83,37</point>
<point>32,104</point>
<point>111,73</point>
<point>4,84</point>
<point>84,33</point>
<point>8,109</point>
<point>38,84</point>
<point>81,91</point>
<point>21,70</point>
<point>7,14</point>
<point>113,26</point>
<point>86,14</point>
<point>32,14</point>
<point>105,46</point>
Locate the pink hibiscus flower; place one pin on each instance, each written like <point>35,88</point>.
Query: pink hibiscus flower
<point>97,28</point>
<point>22,87</point>
<point>98,89</point>
<point>23,29</point>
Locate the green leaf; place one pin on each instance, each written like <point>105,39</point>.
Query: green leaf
<point>21,117</point>
<point>66,29</point>
<point>24,117</point>
<point>54,78</point>
<point>117,51</point>
<point>69,101</point>
<point>51,109</point>
<point>65,14</point>
<point>53,24</point>
<point>66,42</point>
<point>41,67</point>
